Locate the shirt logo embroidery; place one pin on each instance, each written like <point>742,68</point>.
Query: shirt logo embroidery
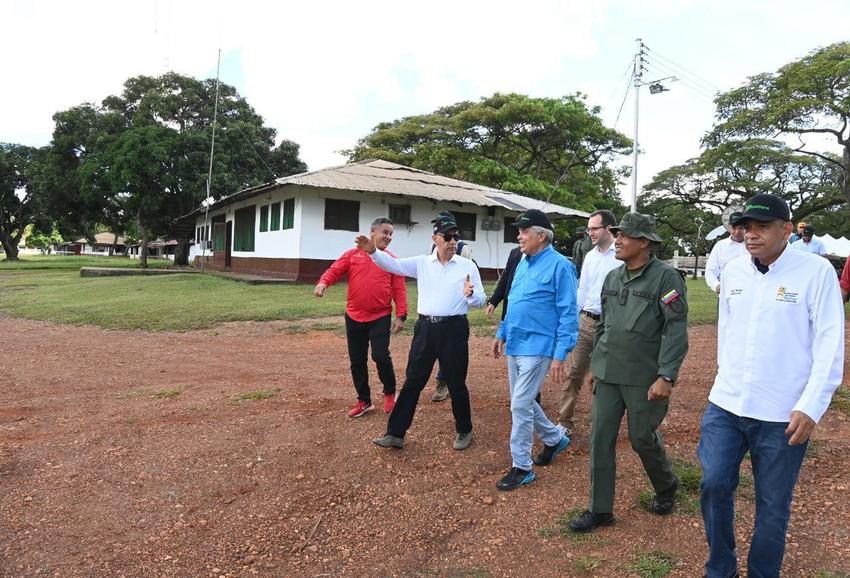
<point>785,296</point>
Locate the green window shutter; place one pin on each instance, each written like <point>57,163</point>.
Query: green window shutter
<point>243,228</point>
<point>264,218</point>
<point>289,213</point>
<point>275,215</point>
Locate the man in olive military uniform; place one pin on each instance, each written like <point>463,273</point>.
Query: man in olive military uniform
<point>641,341</point>
<point>581,247</point>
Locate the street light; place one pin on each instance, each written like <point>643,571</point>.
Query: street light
<point>655,87</point>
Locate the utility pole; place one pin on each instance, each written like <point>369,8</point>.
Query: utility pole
<point>638,74</point>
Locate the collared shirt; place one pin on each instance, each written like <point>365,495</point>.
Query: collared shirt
<point>814,245</point>
<point>724,251</point>
<point>595,267</point>
<point>543,317</point>
<point>780,344</point>
<point>440,286</point>
<point>371,290</point>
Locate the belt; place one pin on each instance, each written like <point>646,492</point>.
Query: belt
<point>594,316</point>
<point>438,319</point>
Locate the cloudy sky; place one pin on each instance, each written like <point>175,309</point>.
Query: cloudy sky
<point>324,73</point>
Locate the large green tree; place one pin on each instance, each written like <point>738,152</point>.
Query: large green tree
<point>690,198</point>
<point>554,149</point>
<point>90,139</point>
<point>19,202</point>
<point>808,100</point>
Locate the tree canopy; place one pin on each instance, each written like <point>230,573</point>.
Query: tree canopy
<point>141,159</point>
<point>554,149</point>
<point>690,197</point>
<point>19,204</point>
<point>808,99</point>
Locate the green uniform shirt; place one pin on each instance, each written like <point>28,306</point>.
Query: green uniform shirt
<point>643,331</point>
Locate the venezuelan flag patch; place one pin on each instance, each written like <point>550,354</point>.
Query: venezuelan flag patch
<point>670,296</point>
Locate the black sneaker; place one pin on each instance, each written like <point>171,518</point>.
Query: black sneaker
<point>515,478</point>
<point>548,454</point>
<point>589,521</point>
<point>663,502</point>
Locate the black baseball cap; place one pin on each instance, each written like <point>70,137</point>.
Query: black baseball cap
<point>532,218</point>
<point>764,207</point>
<point>808,231</point>
<point>444,222</point>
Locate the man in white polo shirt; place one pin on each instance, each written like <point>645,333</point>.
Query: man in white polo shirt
<point>780,357</point>
<point>724,251</point>
<point>596,265</point>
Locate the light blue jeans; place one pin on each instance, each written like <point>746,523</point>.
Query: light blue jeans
<point>525,375</point>
<point>724,440</point>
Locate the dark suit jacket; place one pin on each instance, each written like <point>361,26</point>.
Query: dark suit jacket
<point>503,286</point>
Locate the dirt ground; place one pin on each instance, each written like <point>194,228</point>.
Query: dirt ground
<point>127,454</point>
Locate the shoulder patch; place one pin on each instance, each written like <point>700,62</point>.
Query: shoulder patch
<point>670,296</point>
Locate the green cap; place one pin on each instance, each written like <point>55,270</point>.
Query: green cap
<point>637,225</point>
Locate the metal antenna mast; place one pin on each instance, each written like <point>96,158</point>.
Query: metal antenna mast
<point>207,232</point>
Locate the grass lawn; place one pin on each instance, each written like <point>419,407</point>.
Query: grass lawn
<point>50,288</point>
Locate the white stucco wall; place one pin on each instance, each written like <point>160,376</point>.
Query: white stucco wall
<point>309,240</point>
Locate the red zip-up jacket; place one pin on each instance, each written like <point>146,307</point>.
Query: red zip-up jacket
<point>371,290</point>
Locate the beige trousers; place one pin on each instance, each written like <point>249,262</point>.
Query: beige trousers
<point>578,364</point>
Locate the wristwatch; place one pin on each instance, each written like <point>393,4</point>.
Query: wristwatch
<point>402,317</point>
<point>667,379</point>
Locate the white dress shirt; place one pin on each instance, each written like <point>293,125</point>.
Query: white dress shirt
<point>780,342</point>
<point>440,287</point>
<point>814,245</point>
<point>724,251</point>
<point>594,268</point>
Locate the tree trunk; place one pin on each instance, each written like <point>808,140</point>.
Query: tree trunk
<point>845,178</point>
<point>181,254</point>
<point>10,248</point>
<point>143,250</point>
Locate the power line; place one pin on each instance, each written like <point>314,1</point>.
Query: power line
<point>709,85</point>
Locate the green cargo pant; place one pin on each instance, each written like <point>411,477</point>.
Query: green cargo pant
<point>610,402</point>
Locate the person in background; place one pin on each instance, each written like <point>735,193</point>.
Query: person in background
<point>780,356</point>
<point>537,333</point>
<point>368,309</point>
<point>465,251</point>
<point>598,262</point>
<point>844,282</point>
<point>448,285</point>
<point>724,251</point>
<point>503,286</point>
<point>809,243</point>
<point>799,234</point>
<point>580,248</point>
<point>641,342</point>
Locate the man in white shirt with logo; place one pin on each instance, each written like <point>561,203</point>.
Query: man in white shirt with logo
<point>724,251</point>
<point>780,357</point>
<point>596,265</point>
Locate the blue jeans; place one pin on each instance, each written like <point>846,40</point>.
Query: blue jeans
<point>525,375</point>
<point>724,441</point>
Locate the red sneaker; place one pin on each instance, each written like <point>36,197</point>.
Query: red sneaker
<point>389,403</point>
<point>360,408</point>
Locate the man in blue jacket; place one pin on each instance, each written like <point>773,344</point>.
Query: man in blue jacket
<point>538,332</point>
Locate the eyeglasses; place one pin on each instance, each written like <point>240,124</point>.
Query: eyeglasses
<point>448,237</point>
<point>591,229</point>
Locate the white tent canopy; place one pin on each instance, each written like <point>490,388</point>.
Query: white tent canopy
<point>839,246</point>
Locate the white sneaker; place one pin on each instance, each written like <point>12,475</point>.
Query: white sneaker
<point>564,431</point>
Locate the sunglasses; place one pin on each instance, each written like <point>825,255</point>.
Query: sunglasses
<point>448,237</point>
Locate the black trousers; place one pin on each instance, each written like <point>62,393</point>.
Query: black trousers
<point>447,342</point>
<point>360,335</point>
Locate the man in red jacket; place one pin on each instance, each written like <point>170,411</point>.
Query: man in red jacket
<point>371,291</point>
